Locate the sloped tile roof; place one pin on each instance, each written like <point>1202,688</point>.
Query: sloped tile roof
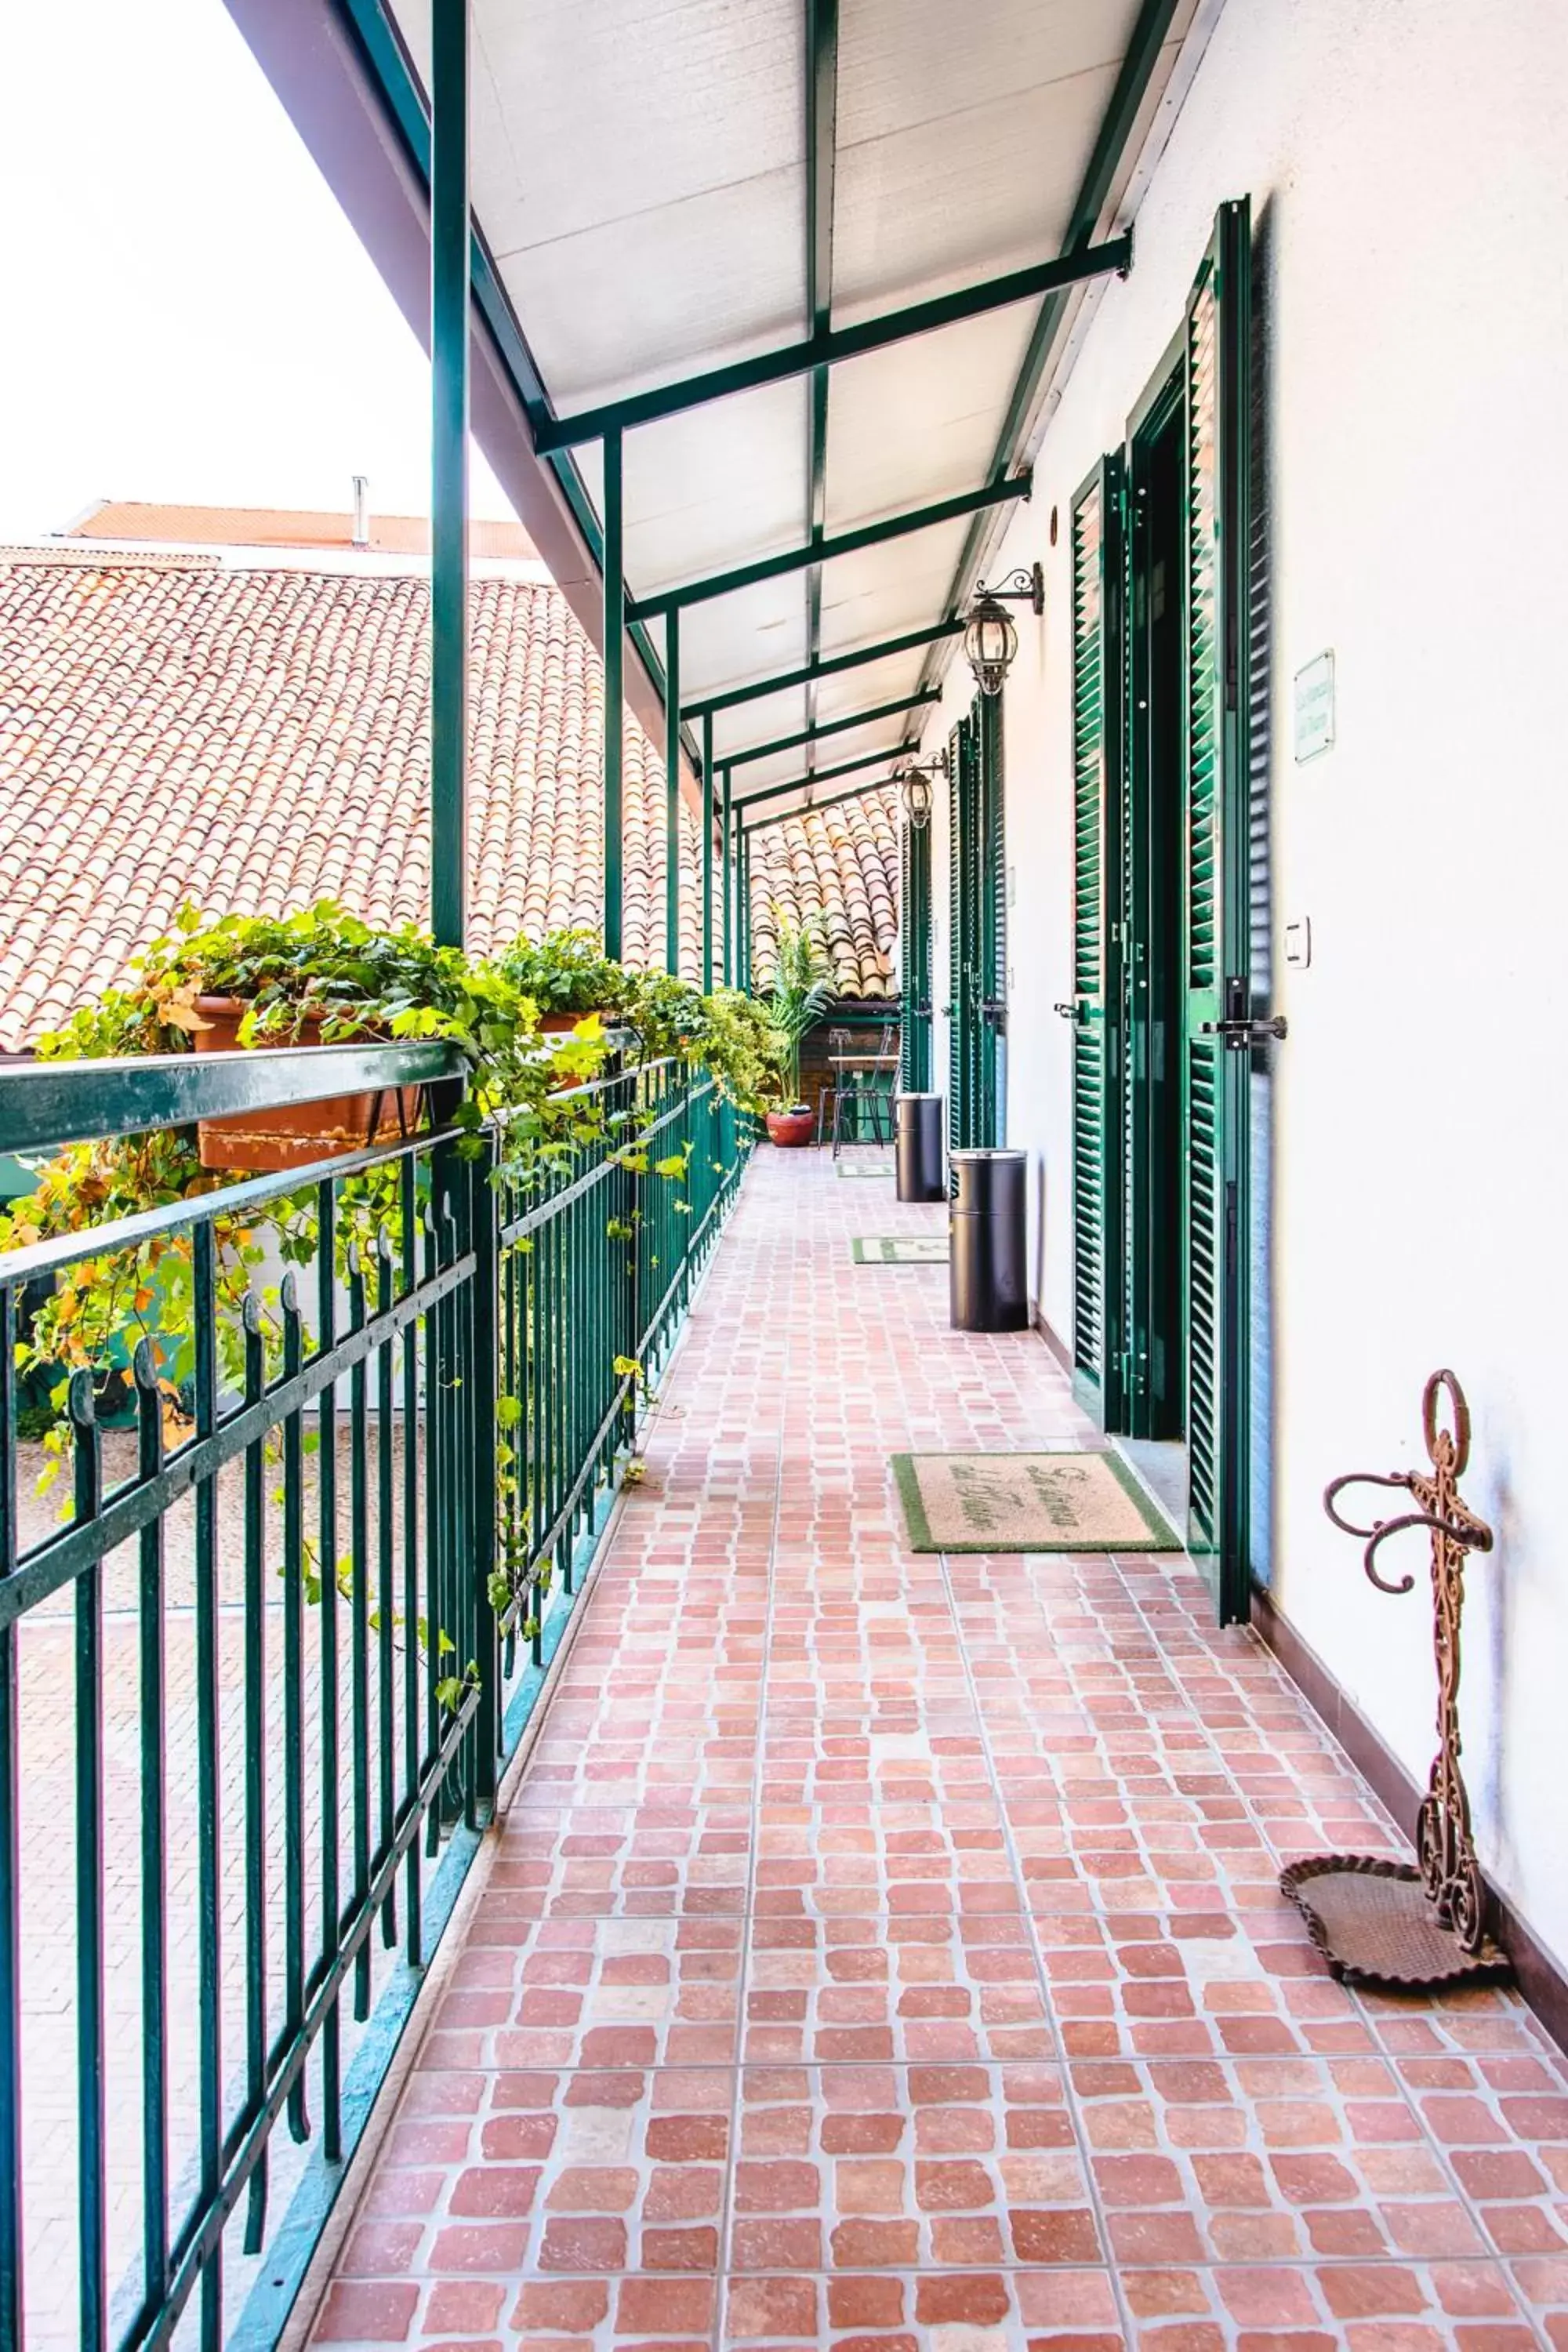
<point>286,527</point>
<point>839,865</point>
<point>249,741</point>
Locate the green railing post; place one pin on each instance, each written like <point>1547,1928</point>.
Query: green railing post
<point>729,888</point>
<point>672,790</point>
<point>484,1393</point>
<point>706,853</point>
<point>10,1864</point>
<point>449,467</point>
<point>93,2203</point>
<point>614,688</point>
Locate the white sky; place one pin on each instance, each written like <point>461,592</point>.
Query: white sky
<point>185,312</point>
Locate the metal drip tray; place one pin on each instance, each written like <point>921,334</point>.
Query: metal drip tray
<point>1373,1924</point>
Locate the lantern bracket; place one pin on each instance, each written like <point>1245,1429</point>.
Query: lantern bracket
<point>1025,586</point>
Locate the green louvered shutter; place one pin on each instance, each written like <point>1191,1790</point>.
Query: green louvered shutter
<point>963,870</point>
<point>990,913</point>
<point>1218,350</point>
<point>1098,797</point>
<point>914,932</point>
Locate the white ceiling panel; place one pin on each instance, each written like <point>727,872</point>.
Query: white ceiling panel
<point>708,490</point>
<point>919,421</point>
<point>660,294</point>
<point>759,722</point>
<point>715,487</point>
<point>918,213</point>
<point>866,687</point>
<point>622,106</point>
<point>748,635</point>
<point>906,65</point>
<point>638,169</point>
<point>884,590</point>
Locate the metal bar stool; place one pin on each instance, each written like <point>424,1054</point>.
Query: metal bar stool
<point>827,1099</point>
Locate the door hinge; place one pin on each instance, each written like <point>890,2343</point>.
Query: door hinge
<point>1242,1034</point>
<point>1241,1029</point>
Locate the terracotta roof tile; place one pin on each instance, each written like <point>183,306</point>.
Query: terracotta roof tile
<point>249,740</point>
<point>841,865</point>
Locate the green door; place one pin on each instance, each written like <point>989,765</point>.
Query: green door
<point>977,929</point>
<point>1098,591</point>
<point>1217,944</point>
<point>915,936</point>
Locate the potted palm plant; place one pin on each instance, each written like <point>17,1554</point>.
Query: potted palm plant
<point>797,996</point>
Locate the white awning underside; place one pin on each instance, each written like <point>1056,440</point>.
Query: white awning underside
<point>640,172</point>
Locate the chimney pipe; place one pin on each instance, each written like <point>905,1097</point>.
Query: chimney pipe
<point>361,510</point>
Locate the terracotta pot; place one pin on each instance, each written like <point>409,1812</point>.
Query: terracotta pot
<point>556,1025</point>
<point>790,1129</point>
<point>261,1143</point>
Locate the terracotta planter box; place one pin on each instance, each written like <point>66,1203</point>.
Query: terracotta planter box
<point>790,1129</point>
<point>261,1142</point>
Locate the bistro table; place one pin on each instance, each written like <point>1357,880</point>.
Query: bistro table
<point>867,1065</point>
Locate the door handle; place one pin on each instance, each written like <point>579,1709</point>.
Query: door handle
<point>1067,1012</point>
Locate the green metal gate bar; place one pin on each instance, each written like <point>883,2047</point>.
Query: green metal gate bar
<point>466,1389</point>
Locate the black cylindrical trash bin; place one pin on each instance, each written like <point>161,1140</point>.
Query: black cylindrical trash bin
<point>918,1149</point>
<point>988,1270</point>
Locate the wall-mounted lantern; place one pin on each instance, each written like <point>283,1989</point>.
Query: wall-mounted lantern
<point>915,785</point>
<point>990,638</point>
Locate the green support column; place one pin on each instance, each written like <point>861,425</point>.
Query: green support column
<point>728,889</point>
<point>615,686</point>
<point>448,468</point>
<point>744,852</point>
<point>707,854</point>
<point>672,790</point>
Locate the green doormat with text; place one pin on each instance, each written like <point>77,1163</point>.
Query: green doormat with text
<point>1028,1502</point>
<point>902,1249</point>
<point>865,1168</point>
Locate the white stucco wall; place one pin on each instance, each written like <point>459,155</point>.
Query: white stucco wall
<point>1407,160</point>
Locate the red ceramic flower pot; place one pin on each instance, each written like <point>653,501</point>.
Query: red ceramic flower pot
<point>790,1129</point>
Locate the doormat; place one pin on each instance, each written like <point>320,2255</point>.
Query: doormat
<point>862,1168</point>
<point>1028,1502</point>
<point>902,1249</point>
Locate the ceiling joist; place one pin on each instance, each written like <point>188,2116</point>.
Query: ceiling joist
<point>844,543</point>
<point>829,775</point>
<point>832,346</point>
<point>819,728</point>
<point>759,688</point>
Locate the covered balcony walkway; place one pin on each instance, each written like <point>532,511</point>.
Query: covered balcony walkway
<point>884,1950</point>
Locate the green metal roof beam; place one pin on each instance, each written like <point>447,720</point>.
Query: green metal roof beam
<point>829,775</point>
<point>822,159</point>
<point>833,345</point>
<point>833,727</point>
<point>1099,176</point>
<point>845,542</point>
<point>813,808</point>
<point>835,663</point>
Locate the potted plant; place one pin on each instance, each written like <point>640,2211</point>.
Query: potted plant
<point>313,978</point>
<point>568,976</point>
<point>797,994</point>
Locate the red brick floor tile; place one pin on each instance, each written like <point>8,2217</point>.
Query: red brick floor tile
<point>887,1953</point>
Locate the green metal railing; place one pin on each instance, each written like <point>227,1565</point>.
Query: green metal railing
<point>280,1643</point>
